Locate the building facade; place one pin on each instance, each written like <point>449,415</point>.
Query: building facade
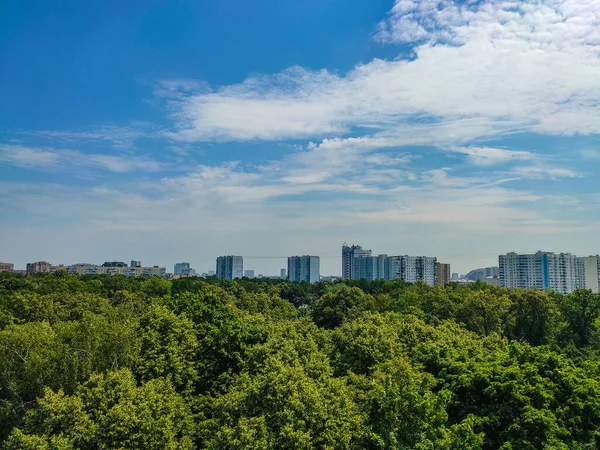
<point>38,267</point>
<point>442,274</point>
<point>6,267</point>
<point>283,274</point>
<point>181,268</point>
<point>588,269</point>
<point>304,268</point>
<point>230,267</point>
<point>358,263</point>
<point>93,269</point>
<point>541,271</point>
<point>349,254</point>
<point>249,273</point>
<point>413,268</point>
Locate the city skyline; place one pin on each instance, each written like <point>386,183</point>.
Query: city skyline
<point>459,129</point>
<point>207,265</point>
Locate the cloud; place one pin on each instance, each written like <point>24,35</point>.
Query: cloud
<point>514,66</point>
<point>121,137</point>
<point>590,154</point>
<point>537,172</point>
<point>55,159</point>
<point>487,156</point>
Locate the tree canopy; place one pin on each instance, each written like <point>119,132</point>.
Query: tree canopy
<point>113,362</point>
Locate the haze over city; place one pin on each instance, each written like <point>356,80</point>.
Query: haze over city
<point>461,130</point>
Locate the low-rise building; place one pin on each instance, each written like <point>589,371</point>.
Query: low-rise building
<point>6,267</point>
<point>38,267</point>
<point>93,269</point>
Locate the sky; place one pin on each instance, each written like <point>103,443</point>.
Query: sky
<point>183,130</point>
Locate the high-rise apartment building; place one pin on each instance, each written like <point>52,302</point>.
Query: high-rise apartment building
<point>38,267</point>
<point>349,254</point>
<point>282,274</point>
<point>367,267</point>
<point>6,267</point>
<point>541,270</point>
<point>135,264</point>
<point>249,273</point>
<point>363,267</point>
<point>304,268</point>
<point>442,274</point>
<point>413,268</point>
<point>588,270</point>
<point>230,267</point>
<point>358,263</point>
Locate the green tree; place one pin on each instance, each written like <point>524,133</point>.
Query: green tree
<point>533,318</point>
<point>28,362</point>
<point>109,411</point>
<point>484,312</point>
<point>223,335</point>
<point>283,404</point>
<point>331,309</point>
<point>168,348</point>
<point>580,311</point>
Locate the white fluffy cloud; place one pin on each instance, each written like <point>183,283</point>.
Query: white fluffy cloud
<point>514,66</point>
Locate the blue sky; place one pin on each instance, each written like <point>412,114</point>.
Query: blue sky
<point>179,131</point>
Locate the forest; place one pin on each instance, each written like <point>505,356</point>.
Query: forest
<point>109,362</point>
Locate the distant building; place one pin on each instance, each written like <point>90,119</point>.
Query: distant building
<point>304,268</point>
<point>493,281</point>
<point>282,274</point>
<point>541,271</point>
<point>114,264</point>
<point>93,269</point>
<point>482,273</point>
<point>6,267</point>
<point>330,278</point>
<point>211,273</point>
<point>588,271</point>
<point>442,274</point>
<point>455,276</point>
<point>230,267</point>
<point>358,263</point>
<point>413,268</point>
<point>181,268</point>
<point>491,271</point>
<point>135,263</point>
<point>364,267</point>
<point>38,267</point>
<point>249,273</point>
<point>349,255</point>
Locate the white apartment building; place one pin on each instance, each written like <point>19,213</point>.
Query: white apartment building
<point>540,270</point>
<point>588,268</point>
<point>412,269</point>
<point>93,269</point>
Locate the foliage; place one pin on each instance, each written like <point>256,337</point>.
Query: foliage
<point>108,411</point>
<point>114,362</point>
